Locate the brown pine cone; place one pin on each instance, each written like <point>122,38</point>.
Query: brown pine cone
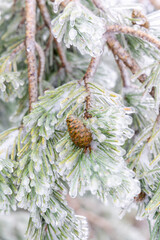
<point>80,135</point>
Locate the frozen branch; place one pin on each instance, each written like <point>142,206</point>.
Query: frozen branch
<point>47,20</point>
<point>123,55</point>
<point>30,50</point>
<point>136,33</point>
<point>87,77</point>
<point>41,66</point>
<point>124,73</point>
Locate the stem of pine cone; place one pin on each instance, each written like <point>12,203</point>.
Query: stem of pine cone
<point>87,77</point>
<point>30,9</point>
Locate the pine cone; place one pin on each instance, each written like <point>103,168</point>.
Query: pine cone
<point>80,135</point>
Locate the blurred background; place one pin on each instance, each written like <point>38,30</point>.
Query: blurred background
<point>104,222</point>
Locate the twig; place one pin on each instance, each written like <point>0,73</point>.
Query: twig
<point>30,50</point>
<point>124,73</point>
<point>91,70</point>
<point>14,53</point>
<point>87,77</point>
<point>136,33</point>
<point>41,66</point>
<point>122,54</point>
<point>47,20</point>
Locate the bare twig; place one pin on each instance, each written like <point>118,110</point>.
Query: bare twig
<point>136,33</point>
<point>30,50</point>
<point>41,66</point>
<point>122,54</point>
<point>47,20</point>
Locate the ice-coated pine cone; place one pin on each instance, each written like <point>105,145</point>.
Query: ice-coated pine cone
<point>80,135</point>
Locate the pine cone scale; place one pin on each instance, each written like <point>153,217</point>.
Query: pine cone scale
<point>80,135</point>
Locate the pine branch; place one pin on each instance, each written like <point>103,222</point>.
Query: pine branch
<point>41,66</point>
<point>47,20</point>
<point>30,50</point>
<point>133,32</point>
<point>123,55</point>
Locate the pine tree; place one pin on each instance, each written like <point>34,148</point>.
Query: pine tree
<point>80,100</point>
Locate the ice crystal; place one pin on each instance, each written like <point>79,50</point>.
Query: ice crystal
<point>79,27</point>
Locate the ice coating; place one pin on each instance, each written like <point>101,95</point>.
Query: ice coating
<point>79,27</point>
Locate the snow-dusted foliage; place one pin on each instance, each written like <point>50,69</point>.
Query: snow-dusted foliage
<point>8,142</point>
<point>79,27</point>
<point>95,127</point>
<point>103,170</point>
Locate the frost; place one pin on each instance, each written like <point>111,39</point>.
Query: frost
<point>79,27</point>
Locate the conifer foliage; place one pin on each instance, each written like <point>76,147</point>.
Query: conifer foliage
<point>84,80</point>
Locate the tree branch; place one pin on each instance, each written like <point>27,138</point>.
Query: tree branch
<point>41,66</point>
<point>30,9</point>
<point>124,73</point>
<point>87,77</point>
<point>47,20</point>
<point>136,33</point>
<point>122,54</point>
